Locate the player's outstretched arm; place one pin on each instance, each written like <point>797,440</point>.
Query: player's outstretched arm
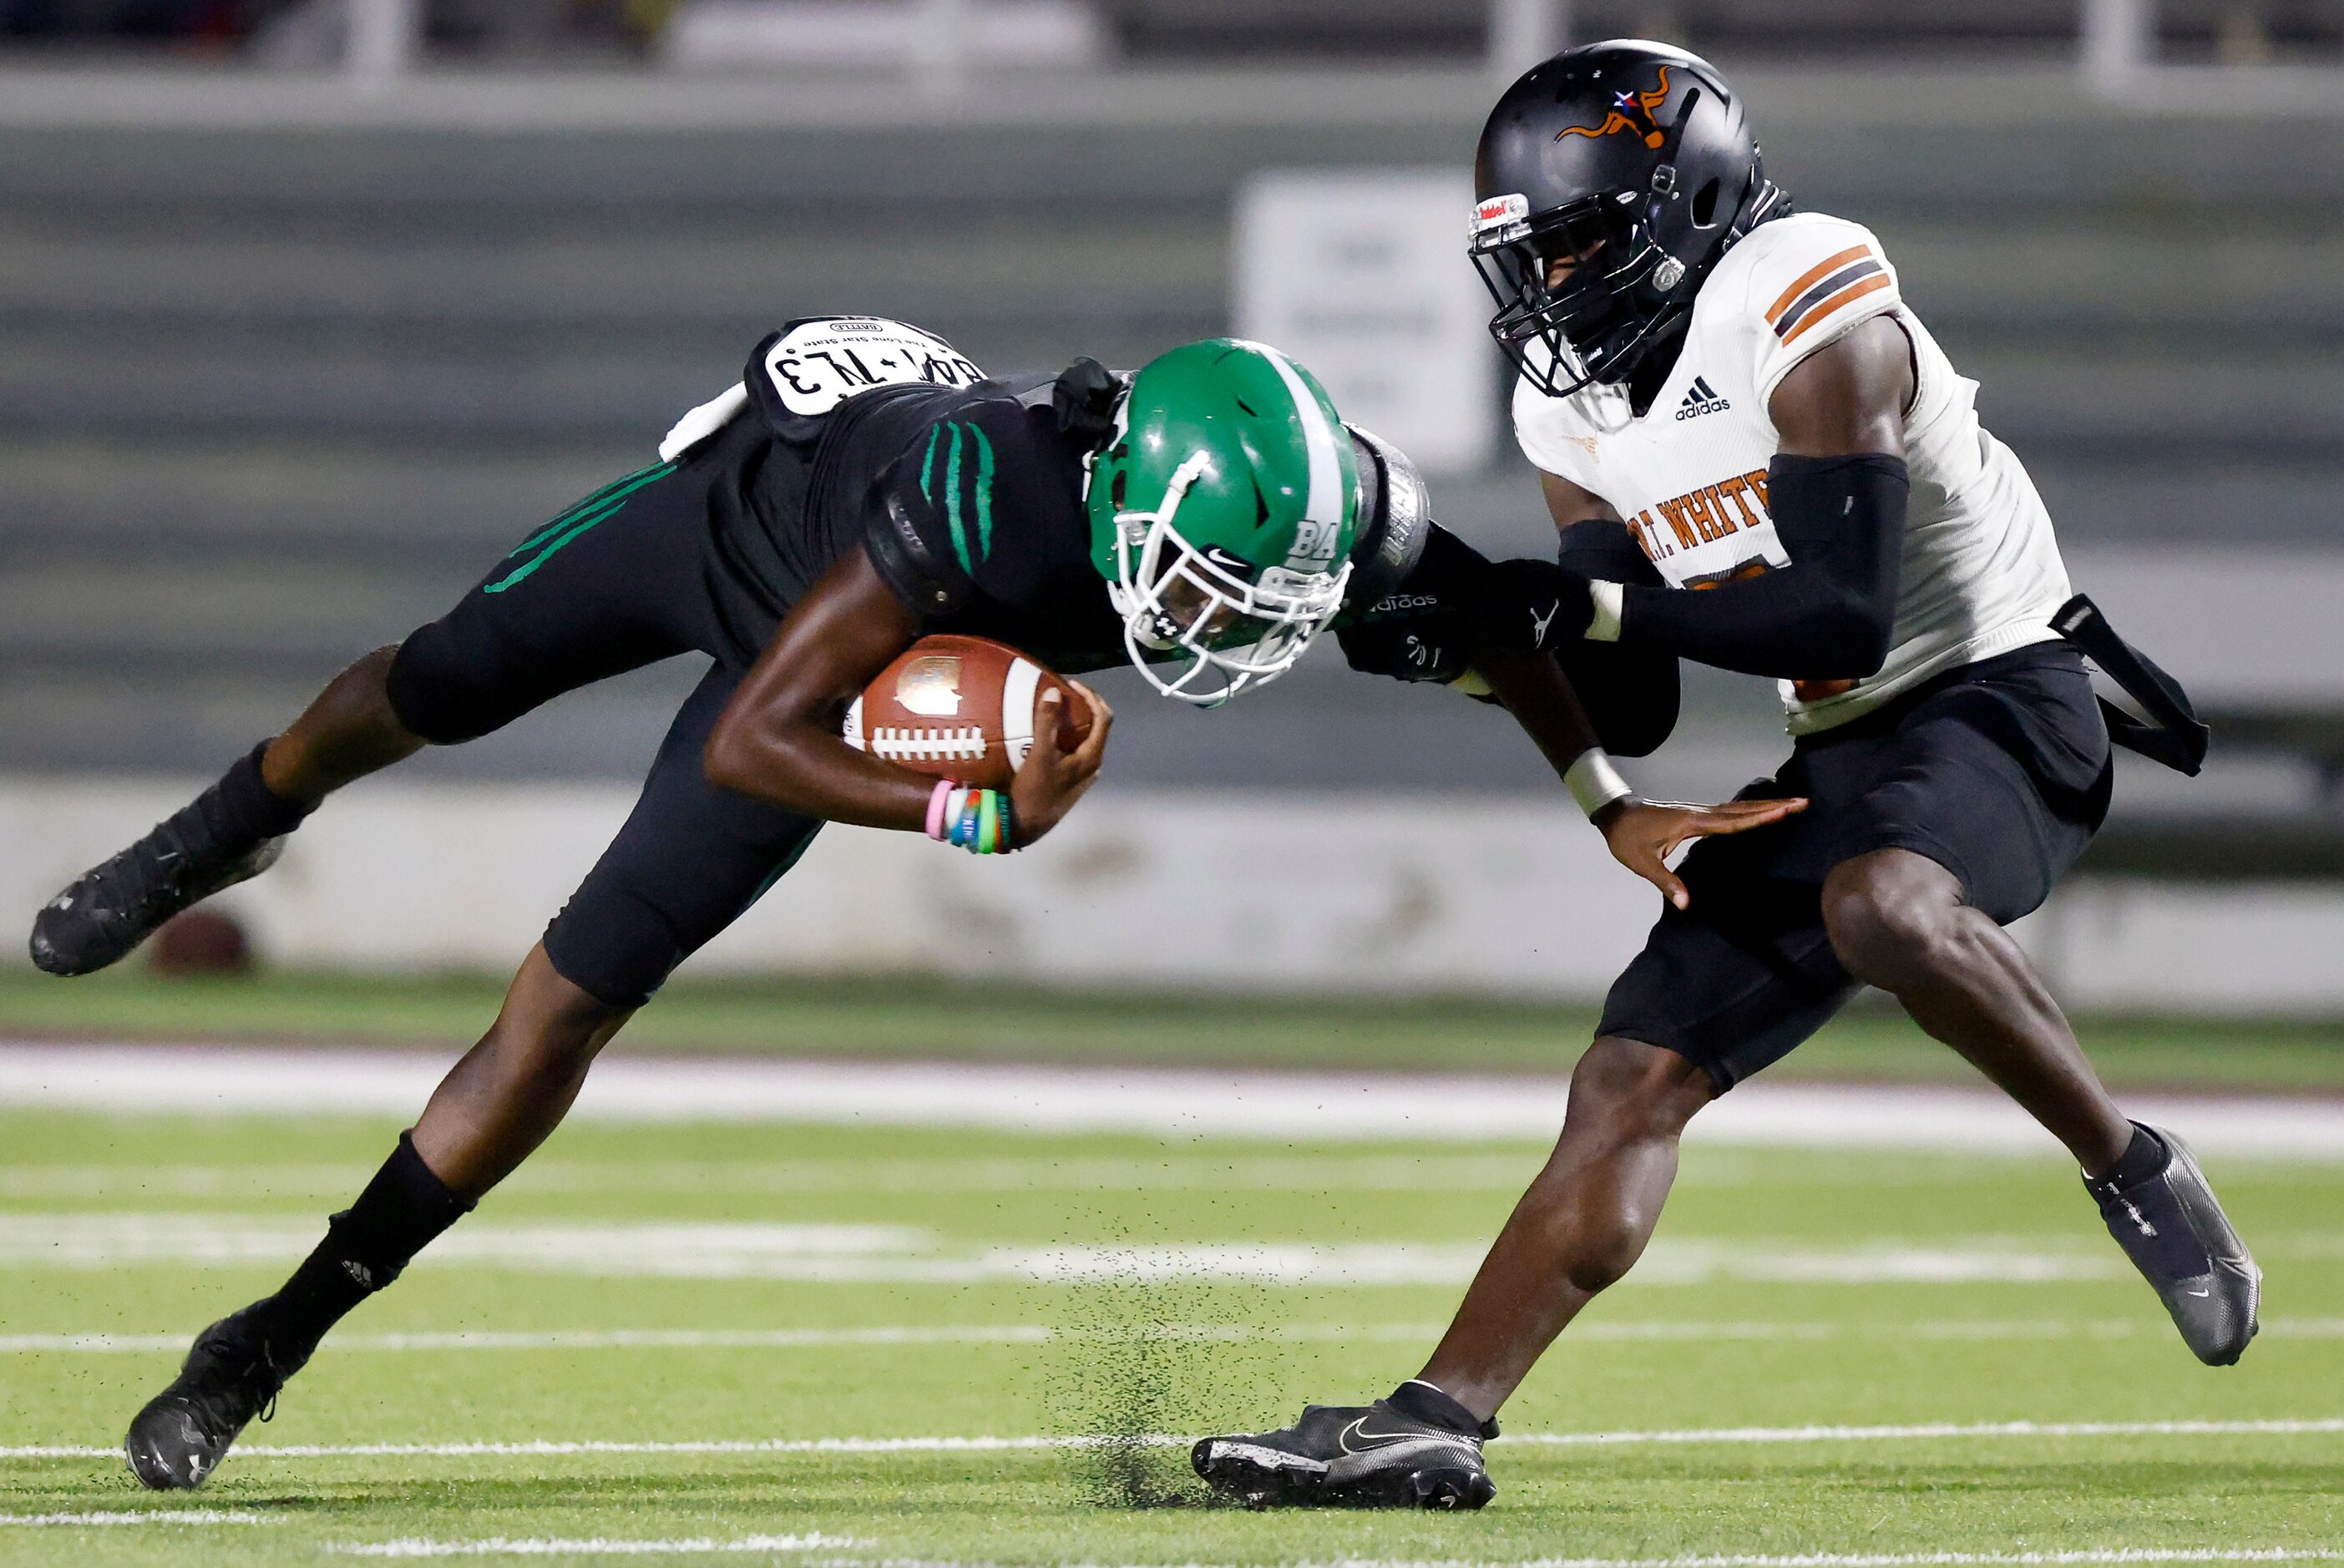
<point>1641,833</point>
<point>778,739</point>
<point>1837,495</point>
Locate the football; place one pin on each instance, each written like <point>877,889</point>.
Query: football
<point>961,708</point>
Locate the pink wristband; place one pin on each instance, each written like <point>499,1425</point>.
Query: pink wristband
<point>936,799</point>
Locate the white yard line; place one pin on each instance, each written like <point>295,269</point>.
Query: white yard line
<point>1026,1334</point>
<point>554,1448</point>
<point>2087,1557</point>
<point>2109,1555</point>
<point>1928,1429</point>
<point>898,1254</point>
<point>1174,1169</point>
<point>142,1516</point>
<point>566,1339</point>
<point>1165,1102</point>
<point>592,1545</point>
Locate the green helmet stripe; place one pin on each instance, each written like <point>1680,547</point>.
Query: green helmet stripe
<point>928,467</point>
<point>984,491</point>
<point>1326,501</point>
<point>952,504</point>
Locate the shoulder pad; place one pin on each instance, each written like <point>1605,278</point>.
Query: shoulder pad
<point>1395,514</point>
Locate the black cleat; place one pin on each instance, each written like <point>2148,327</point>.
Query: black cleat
<point>1350,1456</point>
<point>2173,1230</point>
<point>229,1377</point>
<point>117,904</point>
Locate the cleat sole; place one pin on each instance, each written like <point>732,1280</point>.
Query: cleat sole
<point>1236,1473</point>
<point>1451,1491</point>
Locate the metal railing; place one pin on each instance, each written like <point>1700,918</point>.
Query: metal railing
<point>2115,44</point>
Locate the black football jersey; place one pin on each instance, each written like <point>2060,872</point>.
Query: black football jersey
<point>967,494</point>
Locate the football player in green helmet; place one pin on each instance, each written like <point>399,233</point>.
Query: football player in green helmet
<point>863,486</point>
<point>1223,512</point>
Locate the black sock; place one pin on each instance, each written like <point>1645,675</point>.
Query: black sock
<point>2144,1158</point>
<point>247,808</point>
<point>1420,1401</point>
<point>402,1209</point>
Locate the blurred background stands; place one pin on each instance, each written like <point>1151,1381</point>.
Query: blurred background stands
<point>307,311</point>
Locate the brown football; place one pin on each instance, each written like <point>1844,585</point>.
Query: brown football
<point>960,708</point>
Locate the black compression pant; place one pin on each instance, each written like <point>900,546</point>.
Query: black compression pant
<point>616,582</point>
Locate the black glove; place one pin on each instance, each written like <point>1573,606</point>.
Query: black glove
<point>1531,607</point>
<point>1407,647</point>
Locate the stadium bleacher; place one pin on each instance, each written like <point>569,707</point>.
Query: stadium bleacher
<point>283,366</point>
<point>1202,29</point>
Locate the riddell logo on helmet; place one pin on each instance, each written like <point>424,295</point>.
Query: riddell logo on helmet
<point>1631,111</point>
<point>1498,211</point>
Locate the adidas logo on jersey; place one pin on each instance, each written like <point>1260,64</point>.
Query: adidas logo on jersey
<point>1702,399</point>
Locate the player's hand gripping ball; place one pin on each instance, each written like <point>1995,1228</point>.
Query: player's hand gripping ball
<point>961,708</point>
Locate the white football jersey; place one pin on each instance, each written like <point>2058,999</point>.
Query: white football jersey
<point>1981,573</point>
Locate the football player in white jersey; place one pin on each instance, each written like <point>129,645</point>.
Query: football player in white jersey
<point>1723,396</point>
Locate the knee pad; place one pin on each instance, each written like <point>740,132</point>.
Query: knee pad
<point>438,694</point>
<point>619,962</point>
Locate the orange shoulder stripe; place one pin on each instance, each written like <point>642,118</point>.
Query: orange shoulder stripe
<point>1853,291</point>
<point>1808,279</point>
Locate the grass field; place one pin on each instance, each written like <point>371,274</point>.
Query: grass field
<point>718,1304</point>
<point>896,1016</point>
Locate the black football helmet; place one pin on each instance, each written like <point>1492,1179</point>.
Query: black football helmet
<point>1634,161</point>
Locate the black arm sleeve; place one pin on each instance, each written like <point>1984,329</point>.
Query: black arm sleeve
<point>1825,616</point>
<point>1631,695</point>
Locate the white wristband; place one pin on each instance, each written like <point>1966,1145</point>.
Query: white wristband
<point>1611,599</point>
<point>1594,782</point>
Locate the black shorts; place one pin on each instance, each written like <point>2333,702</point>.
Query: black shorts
<point>618,582</point>
<point>1999,772</point>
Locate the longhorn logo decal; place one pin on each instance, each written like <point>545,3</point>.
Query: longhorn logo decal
<point>1631,111</point>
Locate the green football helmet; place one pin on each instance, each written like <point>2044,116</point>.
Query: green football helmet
<point>1222,513</point>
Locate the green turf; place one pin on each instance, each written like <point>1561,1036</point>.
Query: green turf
<point>1683,1350</point>
<point>897,1017</point>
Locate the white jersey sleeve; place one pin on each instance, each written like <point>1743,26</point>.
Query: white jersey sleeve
<point>1811,282</point>
<point>1554,434</point>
